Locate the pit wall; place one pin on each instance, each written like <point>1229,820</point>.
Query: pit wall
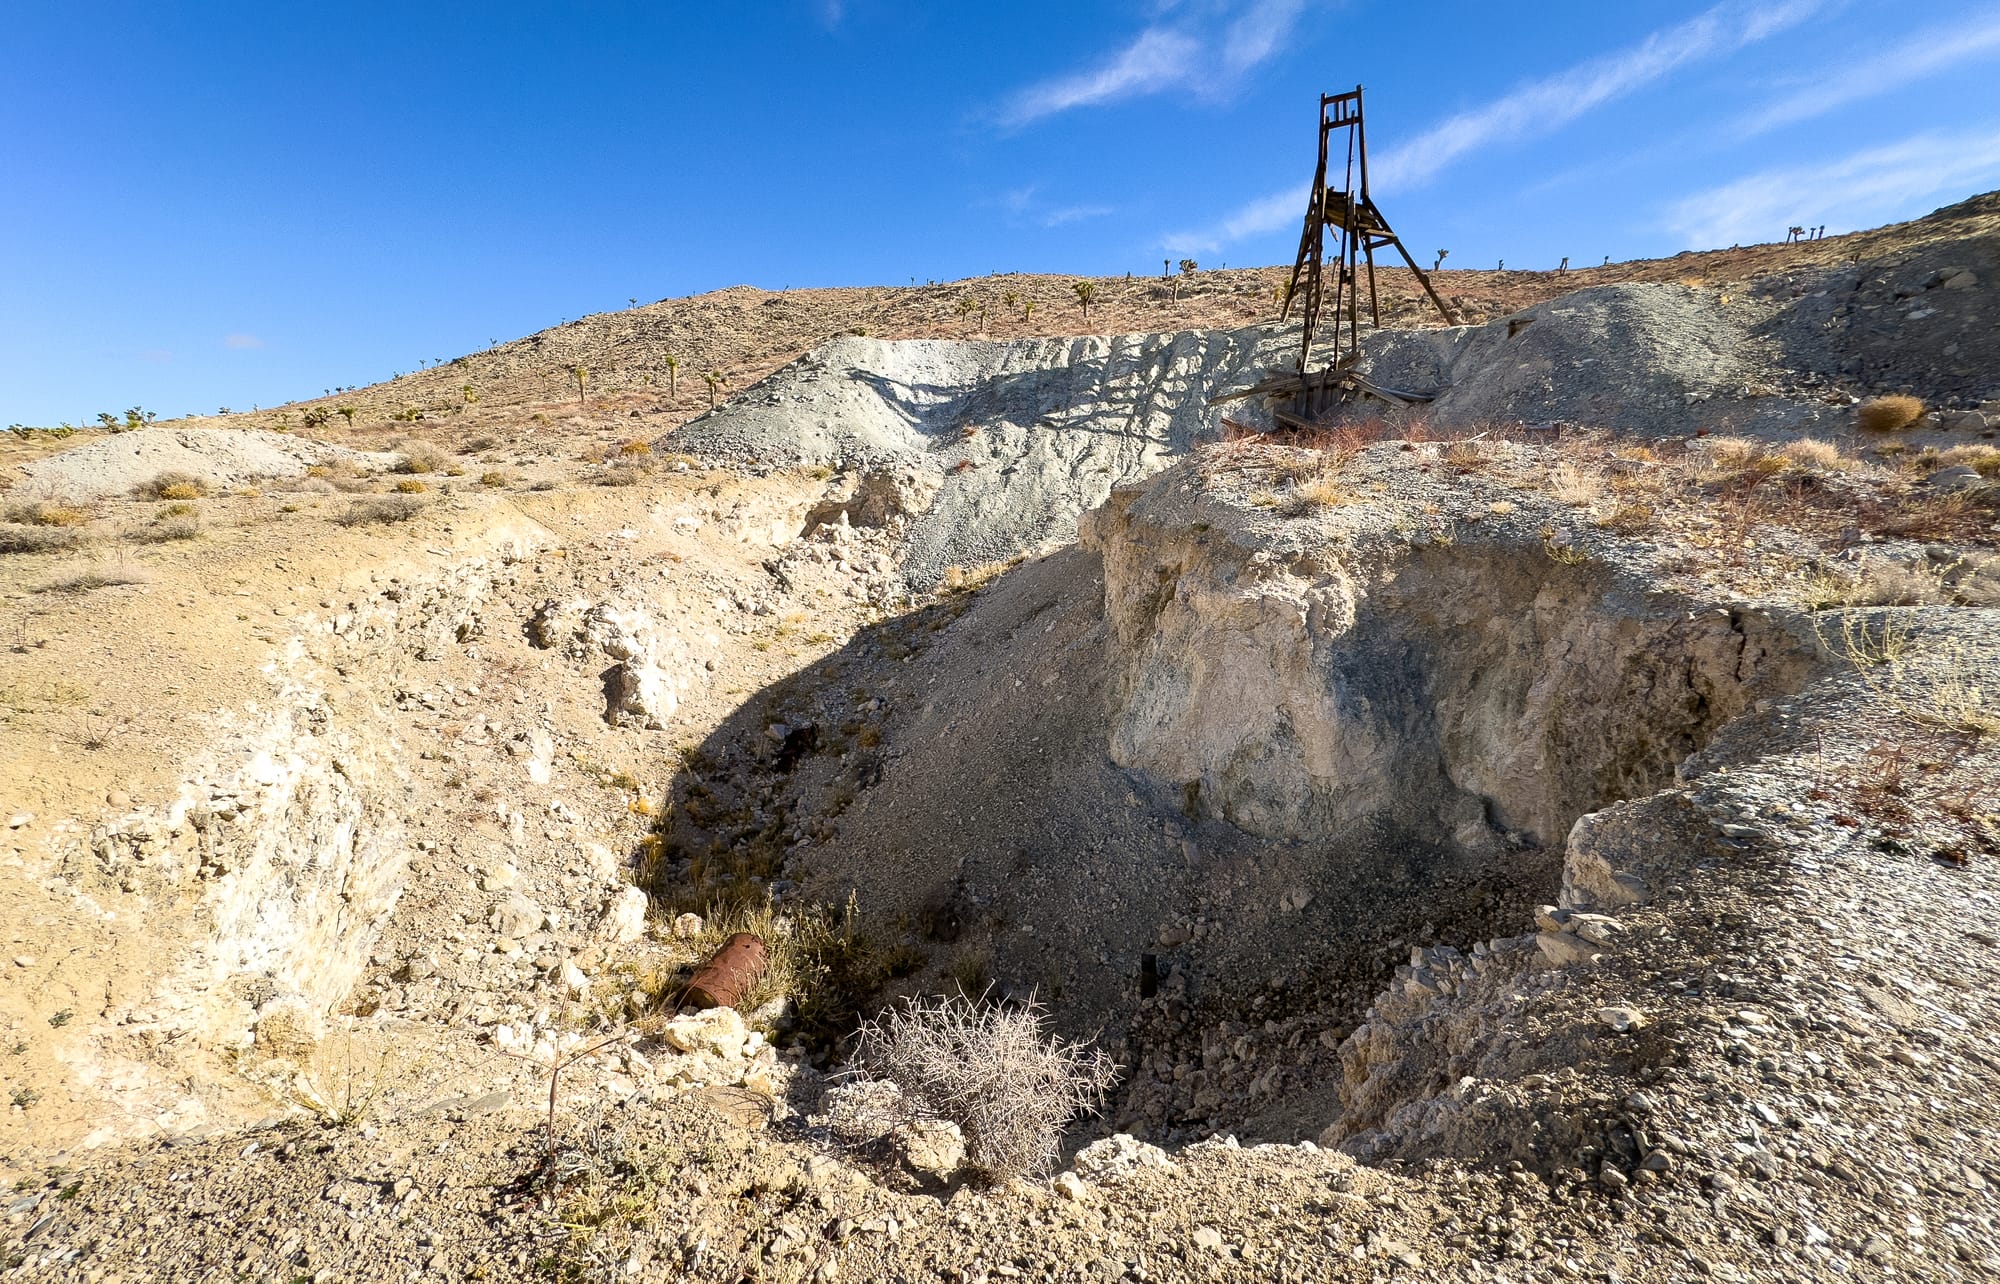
<point>1464,696</point>
<point>269,875</point>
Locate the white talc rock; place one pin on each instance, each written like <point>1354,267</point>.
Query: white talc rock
<point>625,917</point>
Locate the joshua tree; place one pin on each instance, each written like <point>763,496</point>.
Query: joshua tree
<point>673,364</point>
<point>713,378</point>
<point>1086,294</point>
<point>633,302</point>
<point>1188,268</point>
<point>347,413</point>
<point>1027,311</point>
<point>967,305</point>
<point>1442,256</point>
<point>109,420</point>
<point>1009,300</point>
<point>1166,267</point>
<point>316,417</point>
<point>581,376</point>
<point>469,395</point>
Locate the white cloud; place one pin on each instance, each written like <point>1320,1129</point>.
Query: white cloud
<point>242,342</point>
<point>1539,107</point>
<point>1164,57</point>
<point>1546,105</point>
<point>1868,187</point>
<point>1884,71</point>
<point>1074,214</point>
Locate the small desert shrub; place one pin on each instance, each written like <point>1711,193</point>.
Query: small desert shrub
<point>1875,583</point>
<point>94,577</point>
<point>495,477</point>
<point>635,447</point>
<point>1984,460</point>
<point>389,508</point>
<point>38,539</point>
<point>620,477</point>
<point>1628,519</point>
<point>1888,414</point>
<point>478,444</point>
<point>410,486</point>
<point>421,457</point>
<point>318,470</point>
<point>173,485</point>
<point>1570,484</point>
<point>1297,466</point>
<point>178,508</point>
<point>996,1072</point>
<point>166,530</point>
<point>44,514</point>
<point>1464,455</point>
<point>1310,497</point>
<point>1733,453</point>
<point>1814,454</point>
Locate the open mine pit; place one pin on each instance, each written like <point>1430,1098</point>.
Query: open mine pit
<point>1551,828</point>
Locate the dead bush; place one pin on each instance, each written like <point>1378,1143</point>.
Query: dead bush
<point>93,577</point>
<point>36,513</point>
<point>383,511</point>
<point>173,485</point>
<point>1888,414</point>
<point>1984,460</point>
<point>1815,455</point>
<point>996,1072</point>
<point>39,539</point>
<point>421,457</point>
<point>166,530</point>
<point>1311,496</point>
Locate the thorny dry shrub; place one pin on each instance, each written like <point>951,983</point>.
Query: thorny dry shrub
<point>421,457</point>
<point>383,511</point>
<point>996,1072</point>
<point>166,530</point>
<point>172,485</point>
<point>1888,414</point>
<point>39,539</point>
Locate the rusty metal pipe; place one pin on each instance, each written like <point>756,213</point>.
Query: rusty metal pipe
<point>729,975</point>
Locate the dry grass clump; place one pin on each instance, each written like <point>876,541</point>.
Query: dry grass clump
<point>1573,485</point>
<point>1816,455</point>
<point>1984,460</point>
<point>1875,583</point>
<point>166,530</point>
<point>421,457</point>
<point>381,512</point>
<point>1312,496</point>
<point>1628,519</point>
<point>496,478</point>
<point>1888,414</point>
<point>41,513</point>
<point>39,539</point>
<point>410,486</point>
<point>93,577</point>
<point>996,1072</point>
<point>172,485</point>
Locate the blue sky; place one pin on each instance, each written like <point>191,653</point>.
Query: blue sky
<point>206,204</point>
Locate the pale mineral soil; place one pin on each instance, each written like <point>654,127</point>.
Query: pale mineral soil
<point>200,728</point>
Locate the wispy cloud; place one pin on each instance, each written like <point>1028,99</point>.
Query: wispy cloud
<point>1539,107</point>
<point>1884,71</point>
<point>1544,106</point>
<point>1871,186</point>
<point>242,342</point>
<point>1074,214</point>
<point>1165,56</point>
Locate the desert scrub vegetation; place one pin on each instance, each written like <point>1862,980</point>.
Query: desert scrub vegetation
<point>1311,496</point>
<point>166,529</point>
<point>995,1071</point>
<point>382,511</point>
<point>40,539</point>
<point>496,478</point>
<point>93,577</point>
<point>410,486</point>
<point>172,485</point>
<point>43,513</point>
<point>421,457</point>
<point>1888,414</point>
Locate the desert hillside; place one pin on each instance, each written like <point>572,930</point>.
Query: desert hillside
<point>1546,830</point>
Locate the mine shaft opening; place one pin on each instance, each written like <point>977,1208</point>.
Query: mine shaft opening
<point>1212,851</point>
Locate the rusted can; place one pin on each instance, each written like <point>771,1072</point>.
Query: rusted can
<point>729,974</point>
